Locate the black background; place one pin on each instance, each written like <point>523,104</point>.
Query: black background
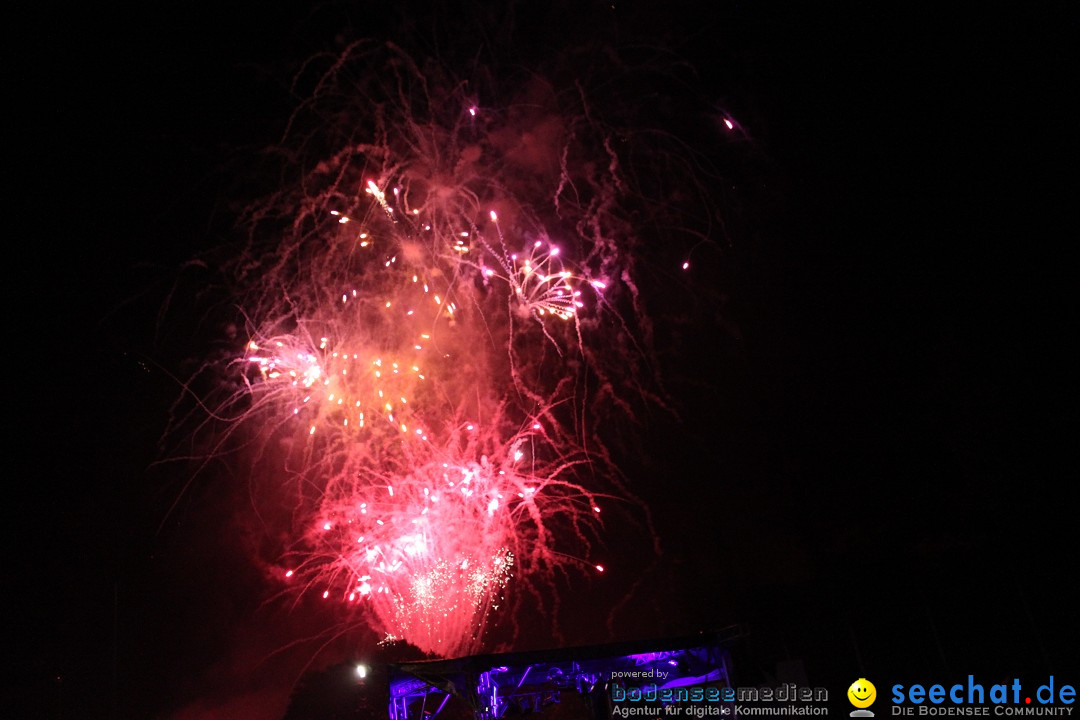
<point>875,472</point>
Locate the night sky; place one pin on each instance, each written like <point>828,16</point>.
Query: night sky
<point>873,461</point>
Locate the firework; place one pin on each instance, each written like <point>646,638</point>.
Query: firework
<point>440,311</point>
<point>435,485</point>
<point>426,546</point>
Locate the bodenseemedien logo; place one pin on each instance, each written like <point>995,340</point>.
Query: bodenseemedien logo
<point>862,694</point>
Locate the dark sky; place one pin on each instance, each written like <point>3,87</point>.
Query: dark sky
<point>875,461</point>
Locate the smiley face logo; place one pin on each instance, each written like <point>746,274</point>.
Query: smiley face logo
<point>862,693</point>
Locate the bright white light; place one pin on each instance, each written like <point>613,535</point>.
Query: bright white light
<point>361,671</point>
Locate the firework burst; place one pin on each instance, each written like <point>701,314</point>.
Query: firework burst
<point>440,311</point>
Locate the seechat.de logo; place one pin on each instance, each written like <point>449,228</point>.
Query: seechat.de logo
<point>973,699</point>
